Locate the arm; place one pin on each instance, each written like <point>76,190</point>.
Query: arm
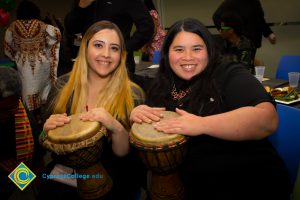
<point>237,125</point>
<point>53,44</point>
<point>76,20</point>
<point>9,48</point>
<point>248,110</point>
<point>120,142</point>
<point>266,30</point>
<point>143,23</point>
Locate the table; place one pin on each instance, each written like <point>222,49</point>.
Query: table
<point>146,69</point>
<point>144,75</point>
<point>274,83</point>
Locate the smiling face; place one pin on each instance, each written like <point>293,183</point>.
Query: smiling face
<point>103,53</point>
<point>188,55</point>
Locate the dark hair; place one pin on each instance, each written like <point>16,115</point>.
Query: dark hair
<point>10,83</point>
<point>149,4</point>
<point>202,82</point>
<point>234,21</point>
<point>28,10</point>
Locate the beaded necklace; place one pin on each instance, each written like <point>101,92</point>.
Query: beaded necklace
<point>179,95</point>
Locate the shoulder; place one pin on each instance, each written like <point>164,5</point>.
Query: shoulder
<point>227,71</point>
<point>245,43</point>
<point>239,87</point>
<point>137,94</point>
<point>59,84</point>
<point>63,79</point>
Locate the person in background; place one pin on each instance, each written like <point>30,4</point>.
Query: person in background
<point>159,34</point>
<point>65,61</point>
<point>236,45</point>
<point>225,112</point>
<point>54,21</point>
<point>99,88</point>
<point>124,14</point>
<point>19,132</point>
<point>34,46</point>
<point>252,14</point>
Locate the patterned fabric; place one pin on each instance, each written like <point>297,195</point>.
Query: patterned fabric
<point>34,46</point>
<point>158,37</point>
<point>243,52</point>
<point>24,141</point>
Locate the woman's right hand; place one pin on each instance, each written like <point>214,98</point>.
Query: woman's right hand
<point>144,113</point>
<point>56,120</point>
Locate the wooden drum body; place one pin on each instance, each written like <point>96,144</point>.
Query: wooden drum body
<point>162,153</point>
<point>80,145</point>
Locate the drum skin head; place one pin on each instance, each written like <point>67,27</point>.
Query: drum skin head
<point>75,131</point>
<point>145,133</point>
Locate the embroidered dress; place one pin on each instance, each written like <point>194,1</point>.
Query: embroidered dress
<point>34,46</point>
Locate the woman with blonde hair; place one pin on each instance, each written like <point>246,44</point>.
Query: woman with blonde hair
<point>99,89</point>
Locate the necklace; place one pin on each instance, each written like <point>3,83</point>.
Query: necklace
<point>179,95</point>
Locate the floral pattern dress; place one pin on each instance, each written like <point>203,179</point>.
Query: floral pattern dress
<point>158,36</point>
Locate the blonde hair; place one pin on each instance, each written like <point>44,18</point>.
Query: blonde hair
<point>117,96</point>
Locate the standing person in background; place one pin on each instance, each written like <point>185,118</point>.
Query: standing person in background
<point>236,46</point>
<point>159,34</point>
<point>34,46</point>
<point>124,14</point>
<point>252,14</point>
<point>225,112</point>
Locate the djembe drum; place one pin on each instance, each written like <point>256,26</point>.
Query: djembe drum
<point>162,153</point>
<point>79,144</point>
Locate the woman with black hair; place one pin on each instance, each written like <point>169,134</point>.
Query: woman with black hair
<point>226,113</point>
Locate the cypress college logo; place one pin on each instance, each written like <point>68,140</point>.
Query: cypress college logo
<point>22,176</point>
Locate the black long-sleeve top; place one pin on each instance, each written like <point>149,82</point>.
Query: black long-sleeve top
<point>124,13</point>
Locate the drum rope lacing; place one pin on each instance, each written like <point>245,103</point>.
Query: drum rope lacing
<point>167,146</point>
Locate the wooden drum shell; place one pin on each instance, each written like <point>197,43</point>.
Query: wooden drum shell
<point>162,154</point>
<point>79,145</point>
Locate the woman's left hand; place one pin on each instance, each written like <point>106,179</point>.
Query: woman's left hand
<point>185,124</point>
<point>100,115</point>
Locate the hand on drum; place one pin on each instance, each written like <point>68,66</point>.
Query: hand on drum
<point>185,124</point>
<point>102,116</point>
<point>120,144</point>
<point>143,113</point>
<point>55,120</point>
